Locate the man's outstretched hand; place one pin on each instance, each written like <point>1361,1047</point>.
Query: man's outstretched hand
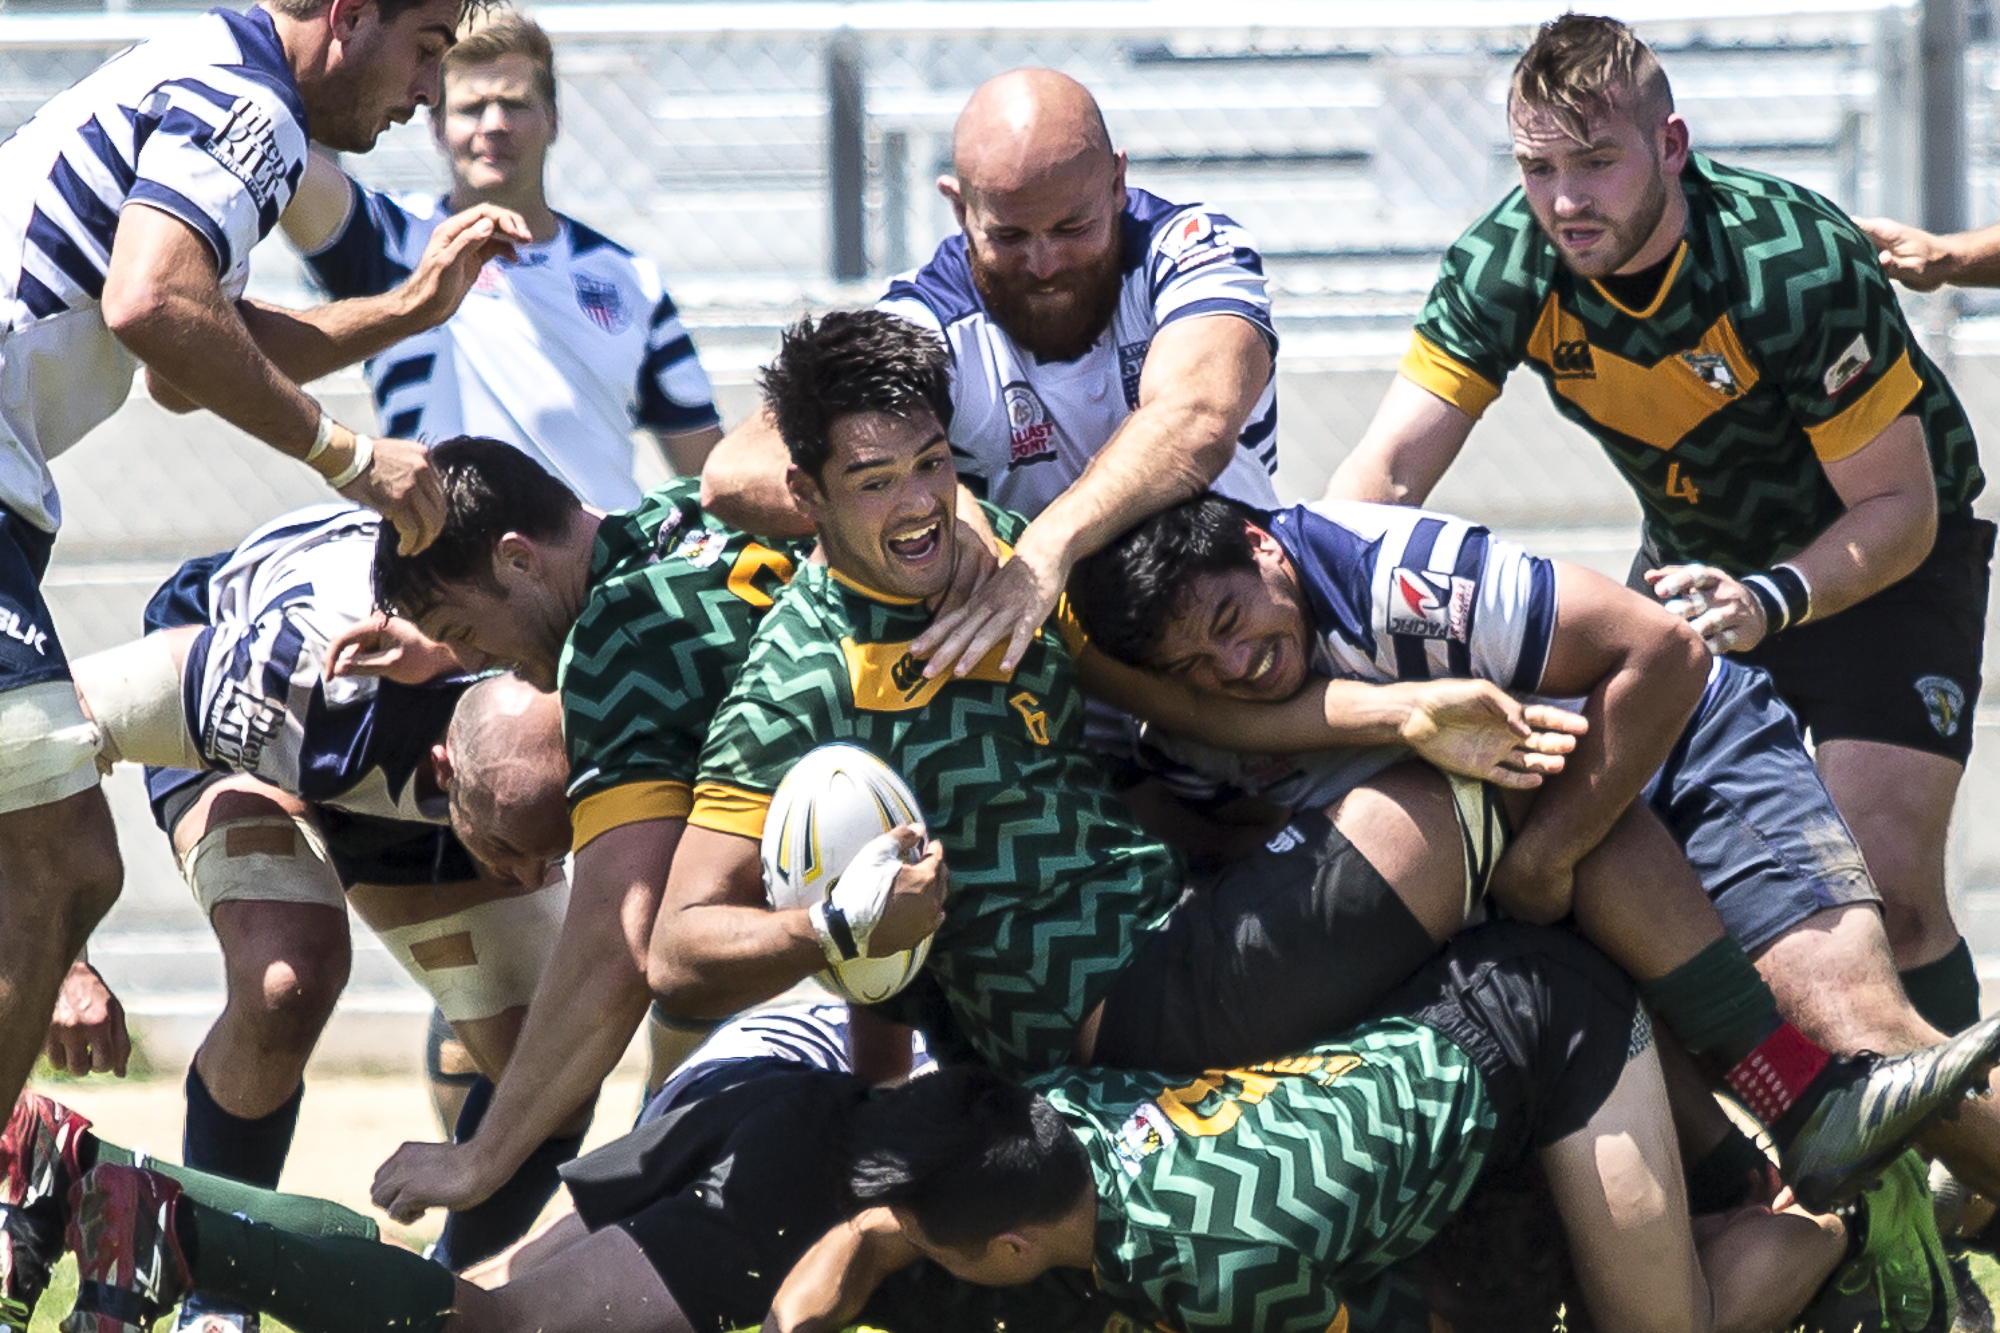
<point>1475,728</point>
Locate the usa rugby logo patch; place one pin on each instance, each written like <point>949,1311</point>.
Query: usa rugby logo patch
<point>1430,606</point>
<point>603,302</point>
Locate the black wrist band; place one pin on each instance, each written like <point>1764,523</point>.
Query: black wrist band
<point>1777,612</point>
<point>843,934</point>
<point>1792,587</point>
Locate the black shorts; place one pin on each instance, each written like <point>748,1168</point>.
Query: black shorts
<point>1902,667</point>
<point>1277,952</point>
<point>1549,1021</point>
<point>727,1188</point>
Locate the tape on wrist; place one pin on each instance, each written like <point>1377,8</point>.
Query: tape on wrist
<point>364,454</point>
<point>1777,611</point>
<point>1798,593</point>
<point>322,436</point>
<point>836,937</point>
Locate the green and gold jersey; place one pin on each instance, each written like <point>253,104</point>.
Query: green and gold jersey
<point>1052,883</point>
<point>1774,346</point>
<point>1272,1199</point>
<point>674,598</point>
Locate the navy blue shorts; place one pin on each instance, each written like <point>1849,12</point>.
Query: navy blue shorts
<point>1743,798</point>
<point>30,653</point>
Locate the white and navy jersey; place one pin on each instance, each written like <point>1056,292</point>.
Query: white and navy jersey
<point>814,1036</point>
<point>560,354</point>
<point>205,124</point>
<point>254,690</point>
<point>1024,429</point>
<point>1394,594</point>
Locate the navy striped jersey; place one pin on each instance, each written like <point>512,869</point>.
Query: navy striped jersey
<point>1023,429</point>
<point>560,354</point>
<point>206,125</point>
<point>255,689</point>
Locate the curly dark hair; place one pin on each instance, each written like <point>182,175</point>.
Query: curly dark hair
<point>851,361</point>
<point>1126,593</point>
<point>968,1154</point>
<point>490,489</point>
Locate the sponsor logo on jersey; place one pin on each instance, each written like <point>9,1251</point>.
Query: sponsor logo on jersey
<point>1145,1132</point>
<point>702,547</point>
<point>1132,364</point>
<point>665,536</point>
<point>1430,606</point>
<point>1288,838</point>
<point>1187,234</point>
<point>1712,369</point>
<point>1571,360</point>
<point>1944,701</point>
<point>247,144</point>
<point>1031,436</point>
<point>602,301</point>
<point>241,723</point>
<point>24,631</point>
<point>490,281</point>
<point>1847,366</point>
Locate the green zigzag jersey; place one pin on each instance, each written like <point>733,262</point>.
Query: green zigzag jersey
<point>674,598</point>
<point>1052,884</point>
<point>1260,1200</point>
<point>1718,404</point>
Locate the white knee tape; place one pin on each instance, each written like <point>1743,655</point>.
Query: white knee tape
<point>484,960</point>
<point>48,748</point>
<point>266,859</point>
<point>134,692</point>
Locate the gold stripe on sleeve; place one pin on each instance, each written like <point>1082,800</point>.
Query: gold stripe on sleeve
<point>1869,415</point>
<point>1428,366</point>
<point>628,803</point>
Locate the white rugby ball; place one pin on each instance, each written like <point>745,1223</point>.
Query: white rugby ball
<point>833,802</point>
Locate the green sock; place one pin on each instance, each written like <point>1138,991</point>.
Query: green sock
<point>293,1212</point>
<point>1946,992</point>
<point>315,1284</point>
<point>1715,1002</point>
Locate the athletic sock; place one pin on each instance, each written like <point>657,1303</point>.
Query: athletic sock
<point>316,1284</point>
<point>295,1213</point>
<point>1719,1006</point>
<point>1727,1174</point>
<point>1946,992</point>
<point>229,1145</point>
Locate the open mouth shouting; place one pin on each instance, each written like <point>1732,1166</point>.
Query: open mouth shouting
<point>918,546</point>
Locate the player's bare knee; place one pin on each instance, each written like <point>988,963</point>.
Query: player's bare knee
<point>1404,822</point>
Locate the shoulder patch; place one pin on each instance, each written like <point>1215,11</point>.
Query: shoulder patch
<point>1430,606</point>
<point>1849,364</point>
<point>602,301</point>
<point>1145,1132</point>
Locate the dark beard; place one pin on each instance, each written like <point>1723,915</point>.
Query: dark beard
<point>1062,337</point>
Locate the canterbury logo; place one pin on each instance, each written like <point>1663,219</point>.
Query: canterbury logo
<point>1572,358</point>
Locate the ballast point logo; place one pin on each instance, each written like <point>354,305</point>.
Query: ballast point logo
<point>1031,436</point>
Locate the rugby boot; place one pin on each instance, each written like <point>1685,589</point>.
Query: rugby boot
<point>38,1164</point>
<point>129,1265</point>
<point>1898,1278</point>
<point>1975,1312</point>
<point>1867,1108</point>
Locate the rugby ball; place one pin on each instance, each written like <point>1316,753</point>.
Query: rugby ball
<point>833,802</point>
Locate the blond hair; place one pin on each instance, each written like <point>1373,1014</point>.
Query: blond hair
<point>504,31</point>
<point>1582,65</point>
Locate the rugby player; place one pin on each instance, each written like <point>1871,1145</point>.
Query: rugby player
<point>1111,353</point>
<point>1211,591</point>
<point>289,794</point>
<point>1067,936</point>
<point>131,205</point>
<point>1806,473</point>
<point>1279,1197</point>
<point>563,353</point>
<point>686,1225</point>
<point>642,620</point>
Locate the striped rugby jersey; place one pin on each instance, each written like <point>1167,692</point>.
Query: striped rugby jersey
<point>1273,1199</point>
<point>560,354</point>
<point>255,689</point>
<point>1023,429</point>
<point>205,124</point>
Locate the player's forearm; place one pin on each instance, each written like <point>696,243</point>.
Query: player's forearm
<point>1876,542</point>
<point>1969,258</point>
<point>1412,439</point>
<point>198,343</point>
<point>711,960</point>
<point>306,344</point>
<point>743,481</point>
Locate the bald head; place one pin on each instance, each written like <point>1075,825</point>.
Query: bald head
<point>505,767</point>
<point>1023,124</point>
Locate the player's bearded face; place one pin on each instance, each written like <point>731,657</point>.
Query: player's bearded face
<point>885,503</point>
<point>1046,264</point>
<point>380,74</point>
<point>1601,200</point>
<point>1244,634</point>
